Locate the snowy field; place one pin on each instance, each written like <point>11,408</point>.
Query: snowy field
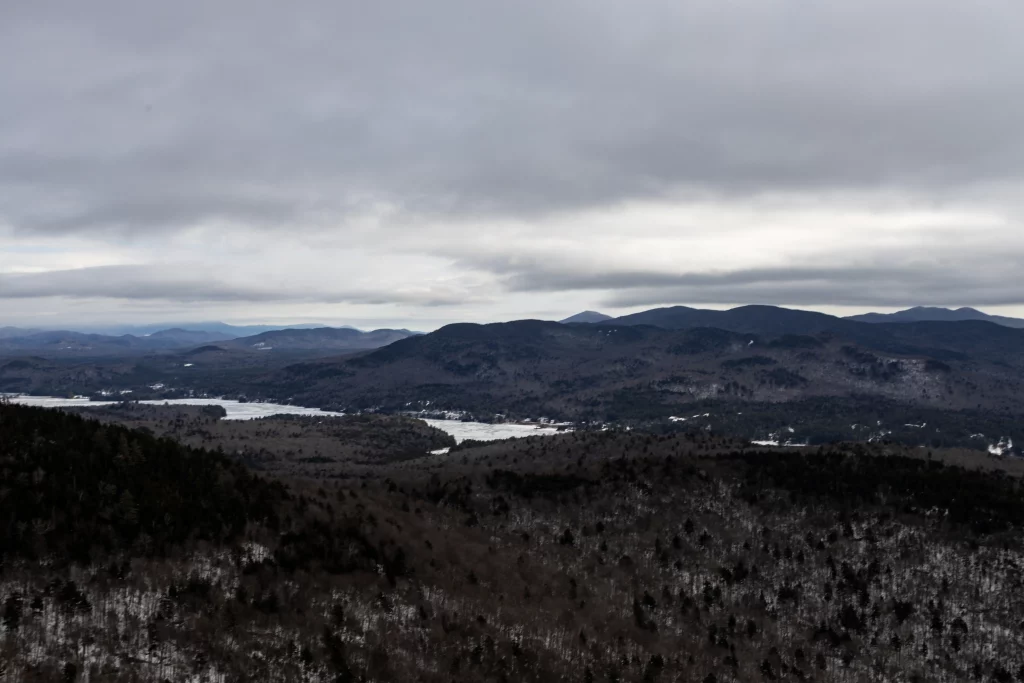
<point>235,410</point>
<point>250,411</point>
<point>488,432</point>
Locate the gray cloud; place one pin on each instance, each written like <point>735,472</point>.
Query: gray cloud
<point>344,152</point>
<point>970,278</point>
<point>146,283</point>
<point>264,114</point>
<point>841,288</point>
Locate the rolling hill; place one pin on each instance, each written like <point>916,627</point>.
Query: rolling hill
<point>586,317</point>
<point>773,366</point>
<point>614,372</point>
<point>926,314</point>
<point>182,337</point>
<point>8,331</point>
<point>329,339</point>
<point>941,339</point>
<point>69,343</point>
<point>65,342</point>
<point>766,320</point>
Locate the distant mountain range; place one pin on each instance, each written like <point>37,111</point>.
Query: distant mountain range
<point>319,339</point>
<point>183,337</point>
<point>938,338</point>
<point>586,317</point>
<point>765,320</point>
<point>68,343</point>
<point>773,319</point>
<point>65,342</point>
<point>219,329</point>
<point>6,332</point>
<point>632,367</point>
<point>924,313</point>
<point>789,366</point>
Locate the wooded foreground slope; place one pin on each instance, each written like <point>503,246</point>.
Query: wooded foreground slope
<point>604,556</point>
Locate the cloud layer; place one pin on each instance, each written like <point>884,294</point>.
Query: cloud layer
<point>368,160</point>
<point>145,283</point>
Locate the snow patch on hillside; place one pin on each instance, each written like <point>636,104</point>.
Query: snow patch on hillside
<point>1004,447</point>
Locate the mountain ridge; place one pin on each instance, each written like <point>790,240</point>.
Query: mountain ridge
<point>586,317</point>
<point>605,372</point>
<point>320,339</point>
<point>936,314</point>
<point>755,319</point>
<point>67,342</point>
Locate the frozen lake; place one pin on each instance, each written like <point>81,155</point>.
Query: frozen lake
<point>235,410</point>
<point>481,431</point>
<point>251,411</point>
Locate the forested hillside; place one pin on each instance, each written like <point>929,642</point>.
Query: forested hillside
<point>633,373</point>
<point>74,490</point>
<point>601,556</point>
<point>762,371</point>
<point>117,546</point>
<point>290,445</point>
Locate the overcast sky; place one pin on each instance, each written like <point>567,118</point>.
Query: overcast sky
<point>413,163</point>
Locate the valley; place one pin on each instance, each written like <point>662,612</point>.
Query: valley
<point>780,501</point>
<point>761,500</point>
<point>828,379</point>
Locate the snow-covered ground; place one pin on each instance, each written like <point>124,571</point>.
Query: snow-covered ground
<point>235,410</point>
<point>1004,446</point>
<point>488,432</point>
<point>250,411</point>
<point>775,439</point>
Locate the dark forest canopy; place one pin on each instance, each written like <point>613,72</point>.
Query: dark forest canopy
<point>590,556</point>
<point>73,485</point>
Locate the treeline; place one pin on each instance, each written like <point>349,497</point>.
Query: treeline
<point>73,486</point>
<point>985,502</point>
<point>823,421</point>
<point>77,491</point>
<point>840,565</point>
